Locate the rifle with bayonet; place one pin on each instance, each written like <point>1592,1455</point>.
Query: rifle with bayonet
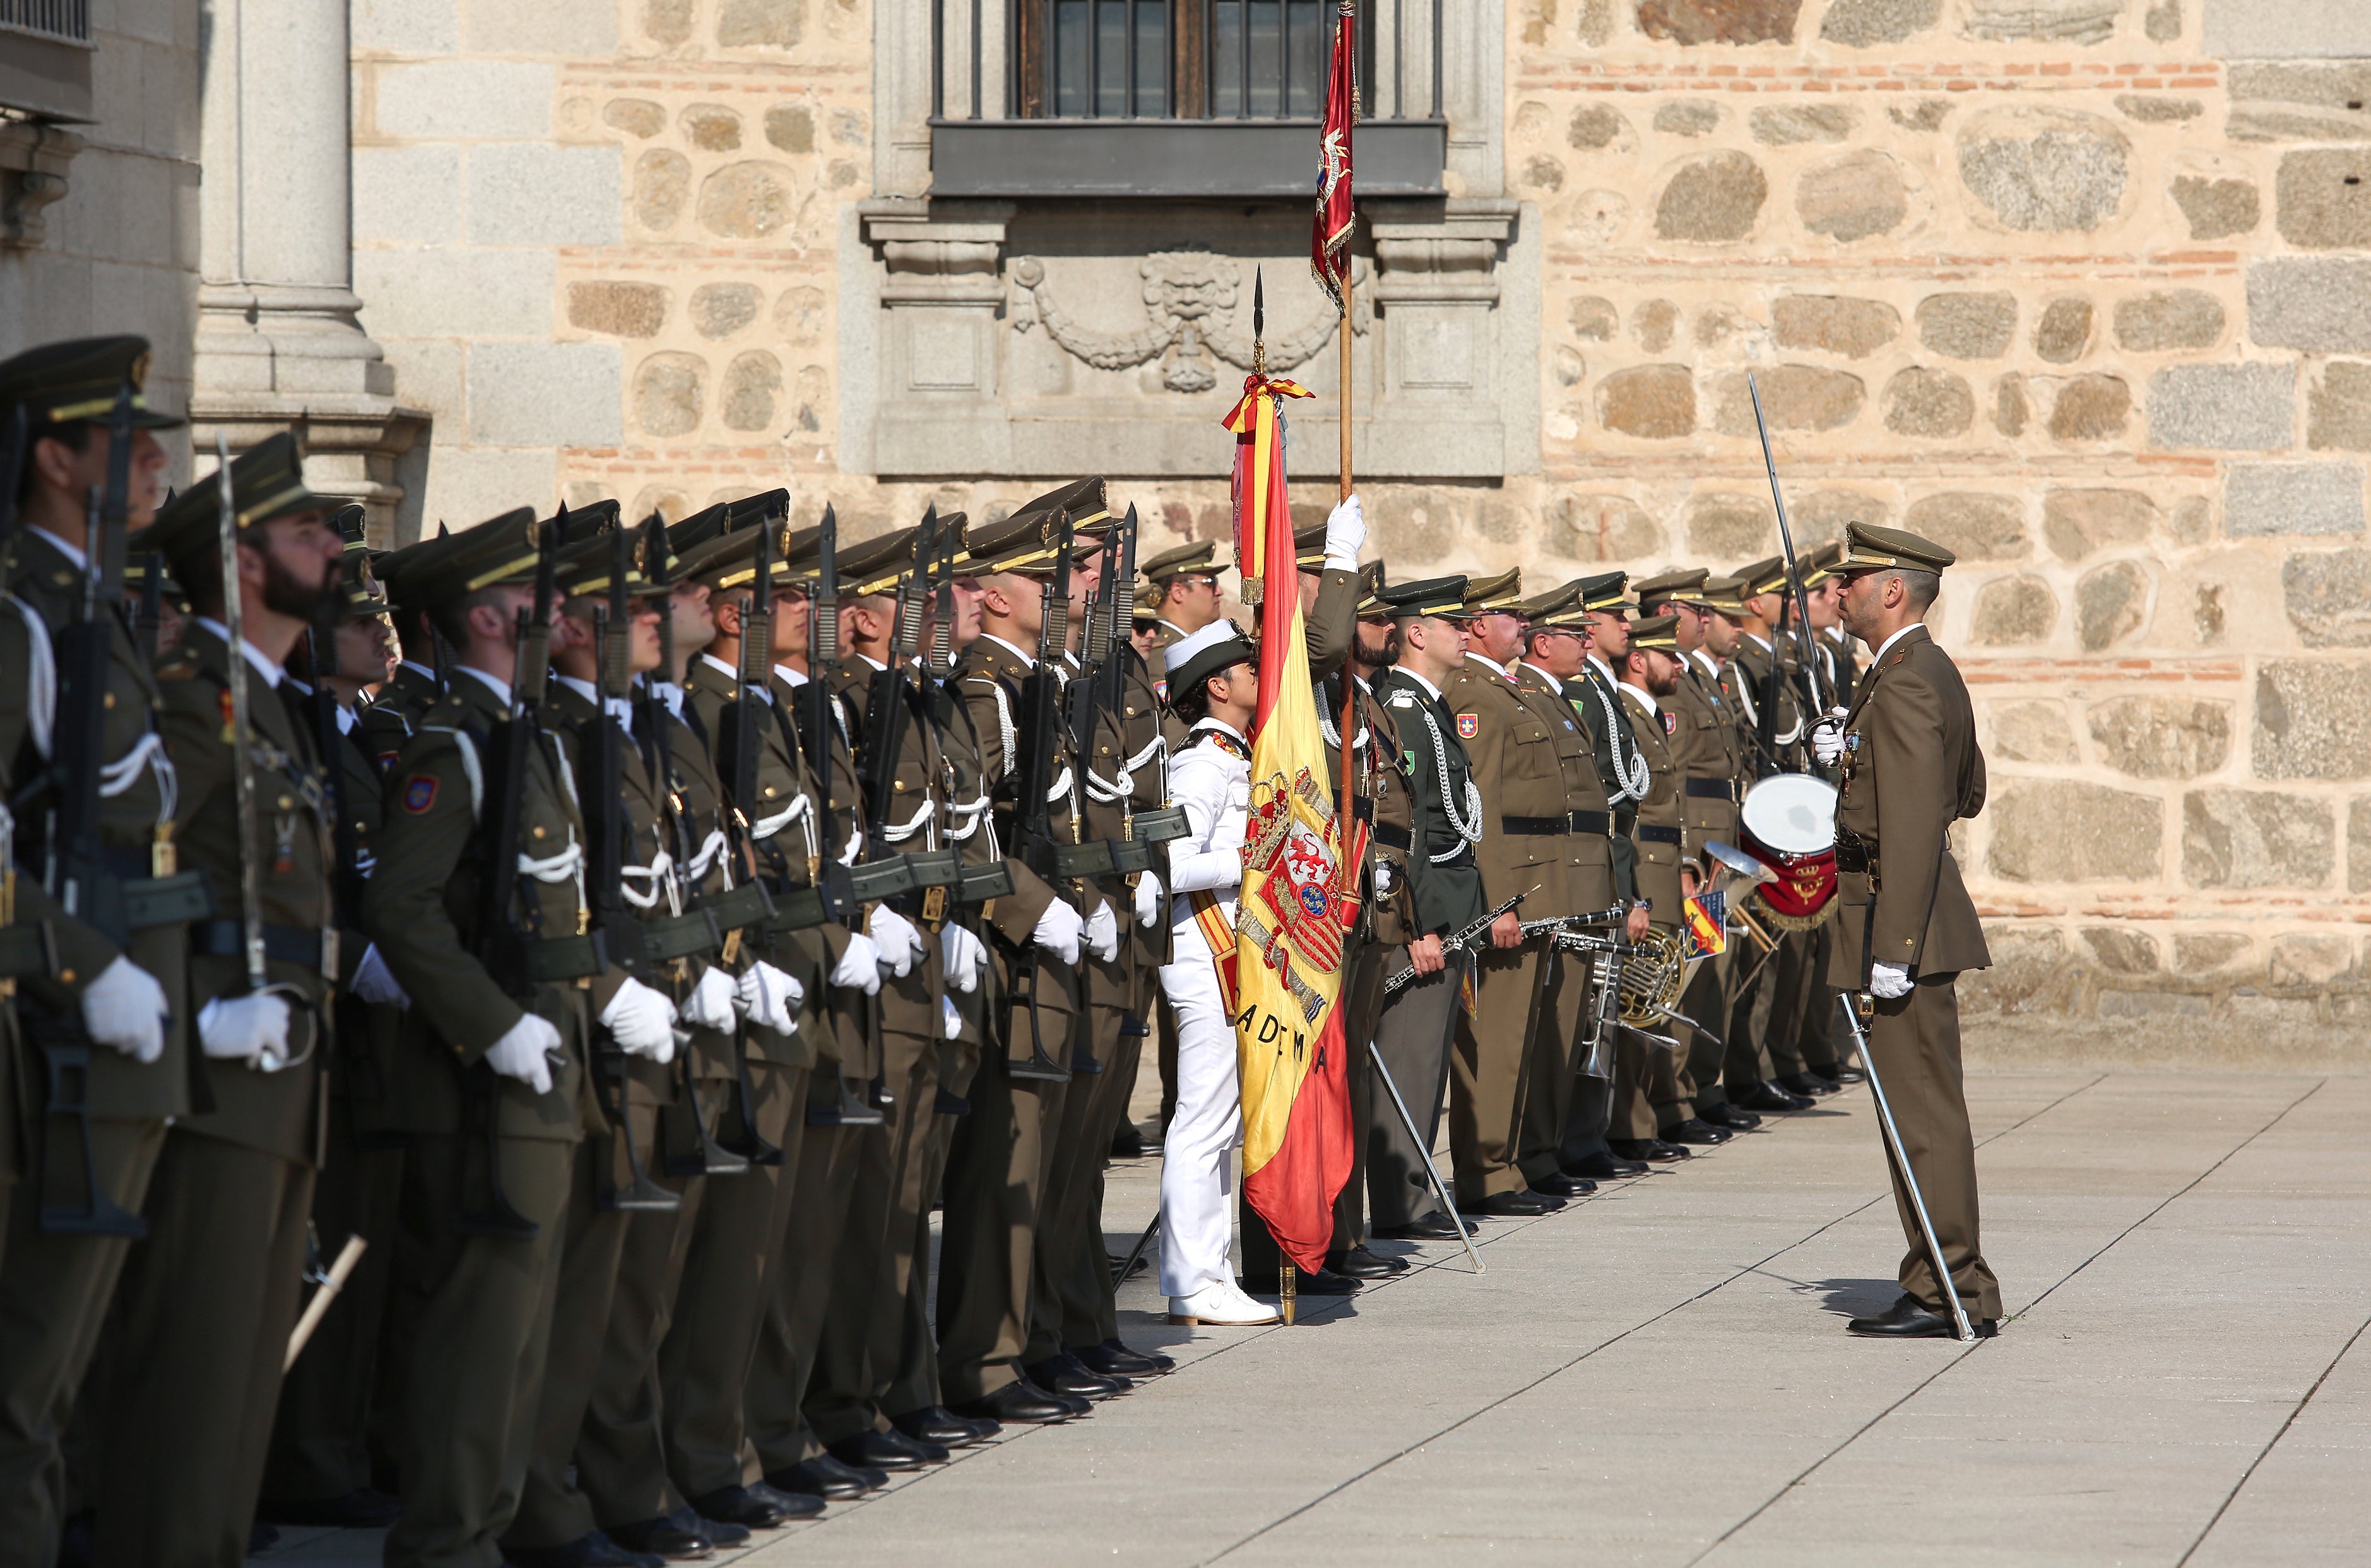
<point>888,711</point>
<point>846,887</point>
<point>1462,939</point>
<point>1796,599</point>
<point>328,739</point>
<point>1084,702</point>
<point>1034,774</point>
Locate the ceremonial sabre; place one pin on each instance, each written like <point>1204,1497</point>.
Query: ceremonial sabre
<point>1785,544</point>
<point>1961,1330</point>
<point>1424,1149</point>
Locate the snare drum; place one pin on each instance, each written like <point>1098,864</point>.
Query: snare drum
<point>1789,825</point>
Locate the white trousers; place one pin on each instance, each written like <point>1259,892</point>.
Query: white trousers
<point>1197,1170</point>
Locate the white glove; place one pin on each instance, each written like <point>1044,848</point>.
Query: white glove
<point>1887,981</point>
<point>1148,900</point>
<point>711,1003</point>
<point>950,1020</point>
<point>769,998</point>
<point>244,1027</point>
<point>1828,737</point>
<point>125,1008</point>
<point>964,955</point>
<point>375,982</point>
<point>641,1022</point>
<point>900,944</point>
<point>1103,933</point>
<point>1383,878</point>
<point>1058,931</point>
<point>527,1052</point>
<point>1346,534</point>
<point>859,968</point>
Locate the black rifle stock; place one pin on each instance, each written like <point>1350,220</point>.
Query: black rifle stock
<point>1041,699</point>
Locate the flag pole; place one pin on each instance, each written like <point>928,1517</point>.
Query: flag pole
<point>1350,655</point>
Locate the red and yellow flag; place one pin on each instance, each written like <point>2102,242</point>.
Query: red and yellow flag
<point>1293,913</point>
<point>1329,238</point>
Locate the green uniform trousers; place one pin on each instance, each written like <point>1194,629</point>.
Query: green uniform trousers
<point>730,1268</point>
<point>481,1313</point>
<point>1913,1044</point>
<point>193,1352</point>
<point>1487,1068</point>
<point>800,1298</point>
<point>54,1292</point>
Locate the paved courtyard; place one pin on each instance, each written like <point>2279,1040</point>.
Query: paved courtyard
<point>1660,1375</point>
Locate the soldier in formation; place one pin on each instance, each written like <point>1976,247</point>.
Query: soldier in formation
<point>632,932</point>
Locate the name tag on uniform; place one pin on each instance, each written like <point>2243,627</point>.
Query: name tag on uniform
<point>1468,726</point>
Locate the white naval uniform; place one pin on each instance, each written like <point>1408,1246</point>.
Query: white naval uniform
<point>1213,783</point>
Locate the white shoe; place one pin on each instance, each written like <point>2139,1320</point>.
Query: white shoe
<point>1220,1306</point>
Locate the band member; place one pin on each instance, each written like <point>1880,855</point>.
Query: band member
<point>1911,768</point>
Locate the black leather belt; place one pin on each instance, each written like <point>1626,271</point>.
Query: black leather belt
<point>300,945</point>
<point>1661,835</point>
<point>1711,788</point>
<point>1362,808</point>
<point>1391,836</point>
<point>1571,822</point>
<point>1856,853</point>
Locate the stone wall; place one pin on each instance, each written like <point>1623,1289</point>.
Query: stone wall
<point>117,251</point>
<point>2049,281</point>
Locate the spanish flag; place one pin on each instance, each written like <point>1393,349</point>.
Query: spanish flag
<point>1294,910</point>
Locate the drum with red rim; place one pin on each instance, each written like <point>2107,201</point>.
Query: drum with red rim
<point>1790,826</point>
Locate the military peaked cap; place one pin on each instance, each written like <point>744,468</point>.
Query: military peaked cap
<point>877,565</point>
<point>1605,592</point>
<point>1683,584</point>
<point>1871,549</point>
<point>1090,512</point>
<point>77,380</point>
<point>1762,577</point>
<point>1199,558</point>
<point>1722,595</point>
<point>1370,587</point>
<point>1023,542</point>
<point>1558,607</point>
<point>491,554</point>
<point>1492,596</point>
<point>1431,596</point>
<point>267,480</point>
<point>360,597</point>
<point>1657,631</point>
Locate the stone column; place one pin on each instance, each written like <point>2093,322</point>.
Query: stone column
<point>278,343</point>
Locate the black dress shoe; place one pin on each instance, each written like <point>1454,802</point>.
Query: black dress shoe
<point>1325,1282</point>
<point>1806,1083</point>
<point>261,1537</point>
<point>1729,1116</point>
<point>1604,1167</point>
<point>1559,1185</point>
<point>758,1507</point>
<point>1069,1375</point>
<point>1126,1142</point>
<point>1020,1401</point>
<point>1907,1319</point>
<point>1113,1359</point>
<point>1766,1096</point>
<point>1358,1262</point>
<point>937,1423</point>
<point>364,1508</point>
<point>1696,1131</point>
<point>595,1551</point>
<point>886,1452</point>
<point>824,1476</point>
<point>1652,1149</point>
<point>1434,1227</point>
<point>1517,1204</point>
<point>681,1537</point>
<point>1840,1077</point>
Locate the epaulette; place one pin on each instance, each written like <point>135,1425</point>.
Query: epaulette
<point>179,665</point>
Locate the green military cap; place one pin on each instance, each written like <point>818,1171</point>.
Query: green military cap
<point>586,565</point>
<point>877,565</point>
<point>1023,542</point>
<point>1656,631</point>
<point>1431,596</point>
<point>1870,548</point>
<point>77,380</point>
<point>267,480</point>
<point>1370,585</point>
<point>418,556</point>
<point>1821,564</point>
<point>1604,592</point>
<point>1147,602</point>
<point>360,597</point>
<point>1198,655</point>
<point>1494,595</point>
<point>731,562</point>
<point>1763,576</point>
<point>1681,584</point>
<point>136,569</point>
<point>708,523</point>
<point>1722,595</point>
<point>571,524</point>
<point>1558,607</point>
<point>502,551</point>
<point>1084,500</point>
<point>1309,547</point>
<point>1196,559</point>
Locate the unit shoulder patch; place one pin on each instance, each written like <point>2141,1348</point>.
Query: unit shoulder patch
<point>1670,722</point>
<point>420,794</point>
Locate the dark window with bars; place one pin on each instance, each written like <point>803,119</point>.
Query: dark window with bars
<point>1176,59</point>
<point>65,19</point>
